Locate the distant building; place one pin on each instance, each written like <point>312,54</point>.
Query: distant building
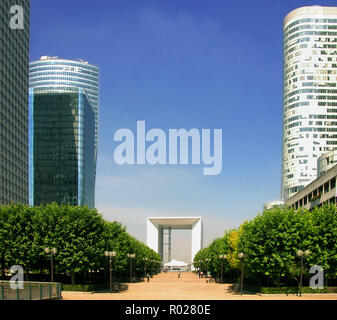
<point>272,204</point>
<point>61,147</point>
<point>319,192</point>
<point>326,162</point>
<point>14,61</point>
<point>309,94</point>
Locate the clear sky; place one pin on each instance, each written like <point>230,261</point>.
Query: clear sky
<point>180,64</point>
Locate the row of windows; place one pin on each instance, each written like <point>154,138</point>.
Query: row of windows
<point>298,104</point>
<point>90,90</point>
<point>47,68</point>
<point>322,116</point>
<point>33,75</point>
<point>310,26</point>
<point>310,33</point>
<point>59,63</point>
<point>306,20</point>
<point>295,92</point>
<point>318,129</point>
<point>316,194</point>
<point>92,84</point>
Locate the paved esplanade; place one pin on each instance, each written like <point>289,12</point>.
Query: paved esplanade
<point>167,286</point>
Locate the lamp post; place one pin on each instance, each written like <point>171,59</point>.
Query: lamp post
<point>145,261</point>
<point>52,253</point>
<point>200,262</point>
<point>241,256</point>
<point>207,260</point>
<point>301,254</point>
<point>110,255</point>
<point>131,256</point>
<point>222,257</point>
<point>152,262</point>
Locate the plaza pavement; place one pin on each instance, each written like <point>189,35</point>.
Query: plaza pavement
<point>167,286</point>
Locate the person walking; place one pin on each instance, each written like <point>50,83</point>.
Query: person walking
<point>148,277</point>
<point>178,274</point>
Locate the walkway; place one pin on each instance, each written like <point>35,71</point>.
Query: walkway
<point>167,286</point>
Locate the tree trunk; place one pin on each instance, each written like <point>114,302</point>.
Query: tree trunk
<point>73,276</point>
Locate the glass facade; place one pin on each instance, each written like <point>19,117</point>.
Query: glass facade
<point>53,72</point>
<point>61,147</point>
<point>14,62</point>
<point>309,94</point>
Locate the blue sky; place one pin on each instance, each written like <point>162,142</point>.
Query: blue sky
<point>180,64</point>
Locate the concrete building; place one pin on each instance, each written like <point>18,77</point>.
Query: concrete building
<point>14,62</point>
<point>309,94</point>
<point>54,72</point>
<point>61,147</point>
<point>326,162</point>
<point>320,191</point>
<point>272,204</point>
<point>159,229</point>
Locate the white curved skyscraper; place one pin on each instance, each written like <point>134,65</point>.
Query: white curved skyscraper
<point>309,94</point>
<point>53,72</point>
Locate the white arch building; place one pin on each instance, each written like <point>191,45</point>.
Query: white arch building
<point>156,227</point>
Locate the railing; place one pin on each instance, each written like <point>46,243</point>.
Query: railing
<point>31,291</point>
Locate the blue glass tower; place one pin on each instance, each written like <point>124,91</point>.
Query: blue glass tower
<point>54,72</point>
<point>61,147</point>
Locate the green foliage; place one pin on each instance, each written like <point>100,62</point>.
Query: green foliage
<point>79,233</point>
<point>271,240</point>
<point>226,245</point>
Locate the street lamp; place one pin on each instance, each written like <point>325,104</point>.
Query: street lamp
<point>207,260</point>
<point>152,262</point>
<point>301,254</point>
<point>241,256</point>
<point>222,257</point>
<point>52,253</point>
<point>131,256</point>
<point>145,261</point>
<point>200,266</point>
<point>110,255</point>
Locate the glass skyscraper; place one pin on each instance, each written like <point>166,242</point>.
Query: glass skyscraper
<point>14,62</point>
<point>61,147</point>
<point>53,72</point>
<point>309,94</point>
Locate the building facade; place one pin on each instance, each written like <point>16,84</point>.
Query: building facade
<point>53,72</point>
<point>309,94</point>
<point>155,234</point>
<point>61,147</point>
<point>319,192</point>
<point>14,63</point>
<point>326,161</point>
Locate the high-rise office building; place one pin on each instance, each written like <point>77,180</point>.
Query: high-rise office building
<point>53,72</point>
<point>61,147</point>
<point>309,94</point>
<point>14,62</point>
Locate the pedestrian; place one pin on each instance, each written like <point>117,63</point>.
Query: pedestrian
<point>148,277</point>
<point>178,274</point>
